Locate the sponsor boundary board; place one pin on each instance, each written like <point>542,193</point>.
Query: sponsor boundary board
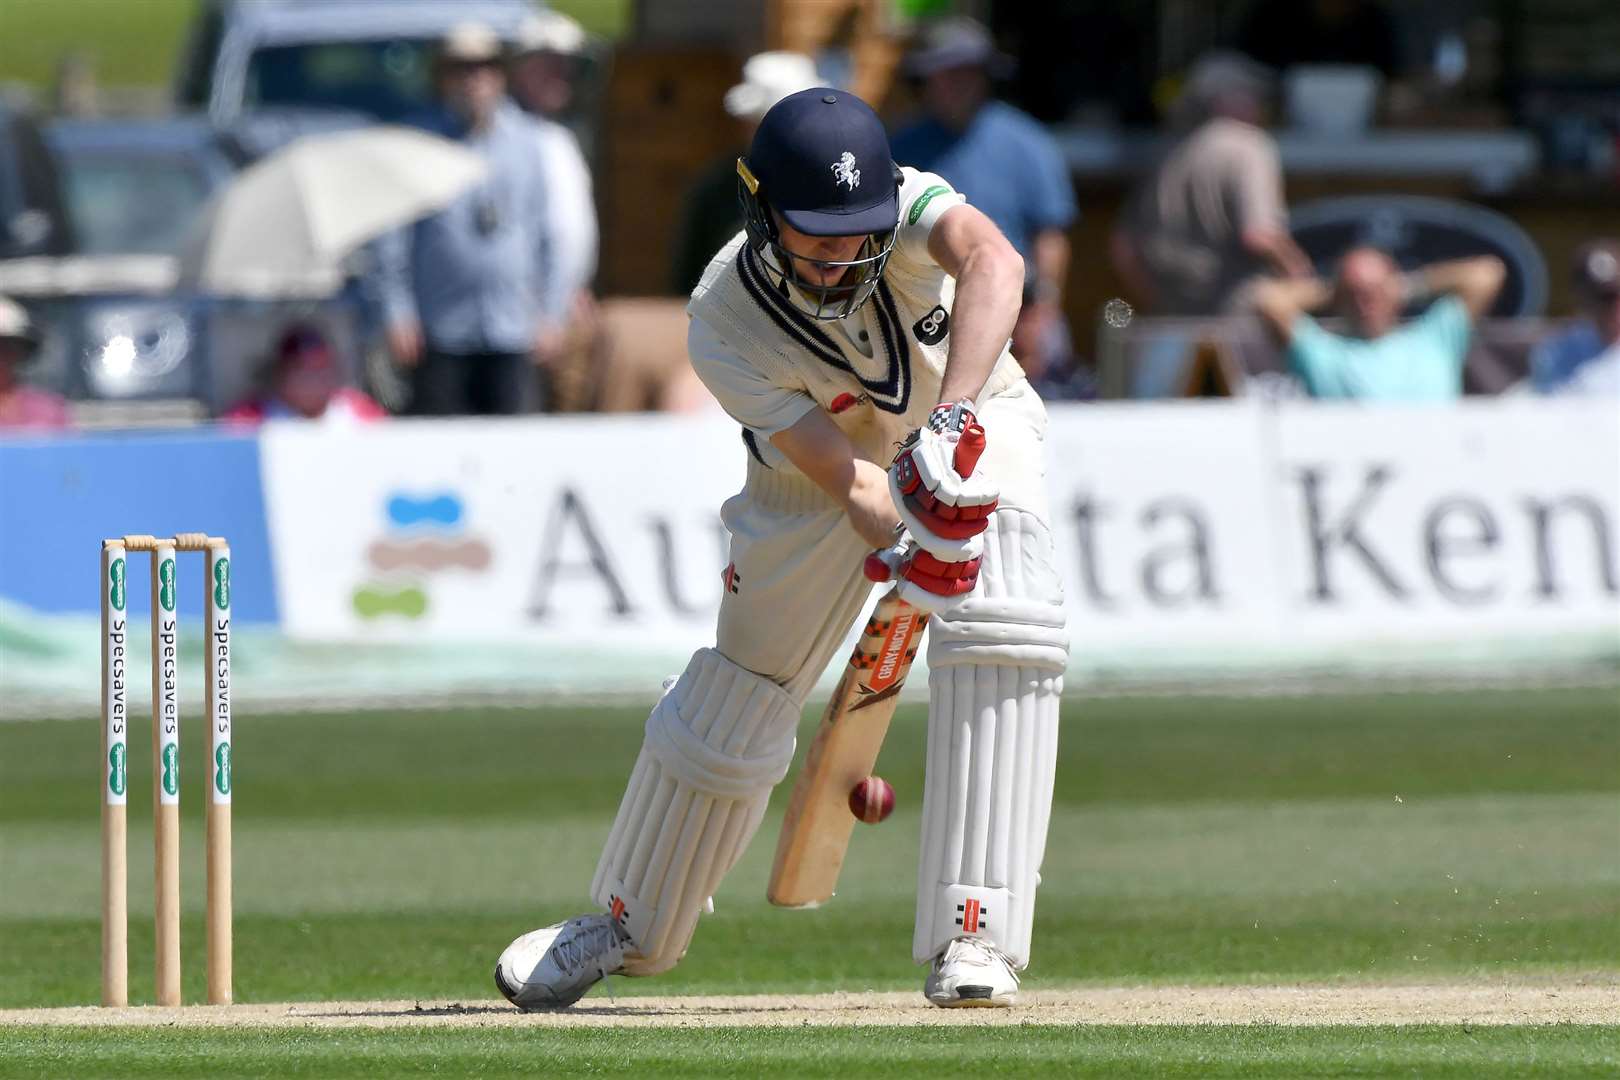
<point>1206,533</point>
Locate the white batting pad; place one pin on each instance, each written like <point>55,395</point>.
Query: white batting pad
<point>716,743</point>
<point>995,679</point>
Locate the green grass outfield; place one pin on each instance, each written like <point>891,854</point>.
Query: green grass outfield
<point>750,1053</point>
<point>138,42</point>
<point>1271,840</point>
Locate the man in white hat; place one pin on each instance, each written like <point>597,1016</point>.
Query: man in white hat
<point>469,294</point>
<point>542,72</point>
<point>551,49</point>
<point>709,213</point>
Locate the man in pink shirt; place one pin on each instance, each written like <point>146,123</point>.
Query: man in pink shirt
<point>23,406</point>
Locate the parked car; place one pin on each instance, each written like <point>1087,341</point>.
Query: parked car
<point>134,187</point>
<point>366,56</point>
<point>269,71</point>
<point>117,328</point>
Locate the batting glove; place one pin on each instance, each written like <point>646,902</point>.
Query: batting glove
<point>944,511</point>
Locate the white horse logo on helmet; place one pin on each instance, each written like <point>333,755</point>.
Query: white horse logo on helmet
<point>845,172</point>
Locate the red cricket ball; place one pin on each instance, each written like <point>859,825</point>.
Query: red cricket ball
<point>871,800</point>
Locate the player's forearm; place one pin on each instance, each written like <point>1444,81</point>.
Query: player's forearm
<point>821,450</point>
<point>869,506</point>
<point>862,489</point>
<point>989,277</point>
<point>989,292</point>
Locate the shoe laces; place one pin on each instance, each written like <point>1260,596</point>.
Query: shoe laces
<point>588,941</point>
<point>979,952</point>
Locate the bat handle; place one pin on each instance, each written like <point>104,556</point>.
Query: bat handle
<point>884,565</point>
<point>969,448</point>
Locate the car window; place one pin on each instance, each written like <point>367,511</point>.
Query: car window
<point>389,79</point>
<point>132,205</point>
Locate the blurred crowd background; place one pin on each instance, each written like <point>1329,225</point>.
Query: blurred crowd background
<point>203,218</point>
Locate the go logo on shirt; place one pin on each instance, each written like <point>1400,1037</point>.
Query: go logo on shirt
<point>932,327</point>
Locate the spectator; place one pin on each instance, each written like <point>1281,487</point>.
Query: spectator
<point>541,74</point>
<point>551,50</point>
<point>305,384</point>
<point>569,199</point>
<point>1380,359</point>
<point>1005,163</point>
<point>1280,33</point>
<point>469,294</point>
<point>1600,378</point>
<point>710,212</point>
<point>1560,361</point>
<point>1210,219</point>
<point>21,405</point>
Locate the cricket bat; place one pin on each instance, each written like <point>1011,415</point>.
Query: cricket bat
<point>817,826</point>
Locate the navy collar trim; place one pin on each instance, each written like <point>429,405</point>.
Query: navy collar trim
<point>893,392</point>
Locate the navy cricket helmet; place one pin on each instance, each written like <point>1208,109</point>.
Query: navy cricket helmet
<point>820,161</point>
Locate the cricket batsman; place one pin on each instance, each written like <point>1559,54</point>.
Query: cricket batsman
<point>864,308</point>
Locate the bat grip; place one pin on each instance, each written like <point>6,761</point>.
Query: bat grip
<point>969,448</point>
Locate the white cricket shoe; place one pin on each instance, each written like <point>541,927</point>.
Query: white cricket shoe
<point>970,973</point>
<point>552,968</point>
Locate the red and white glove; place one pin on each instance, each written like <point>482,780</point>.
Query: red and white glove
<point>943,503</point>
<point>924,582</point>
<point>945,508</point>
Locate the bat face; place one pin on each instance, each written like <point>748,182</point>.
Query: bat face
<point>896,629</point>
<point>818,823</point>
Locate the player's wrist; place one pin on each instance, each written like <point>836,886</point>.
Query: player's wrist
<point>869,507</point>
<point>952,416</point>
<point>878,527</point>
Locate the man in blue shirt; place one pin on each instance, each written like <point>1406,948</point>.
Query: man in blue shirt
<point>468,293</point>
<point>1381,359</point>
<point>1005,163</point>
<point>1558,361</point>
